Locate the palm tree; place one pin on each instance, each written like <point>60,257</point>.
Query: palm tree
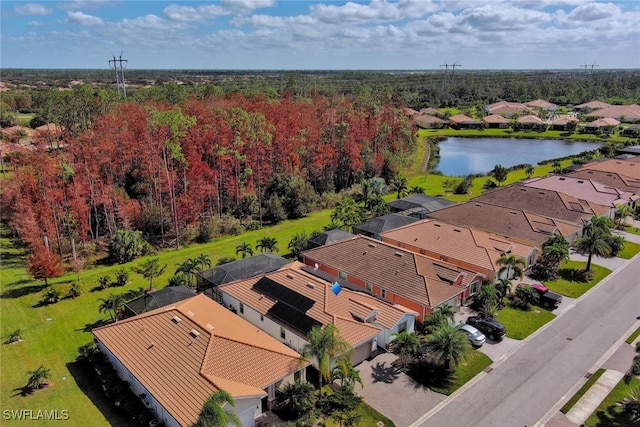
<point>416,189</point>
<point>557,166</point>
<point>594,241</point>
<point>399,185</point>
<point>104,281</point>
<point>111,304</point>
<point>447,311</point>
<point>267,244</point>
<point>325,344</point>
<point>298,244</point>
<point>296,398</point>
<point>346,373</point>
<point>555,250</point>
<point>178,280</point>
<point>348,212</point>
<point>499,173</point>
<point>621,215</point>
<point>189,268</point>
<point>405,345</point>
<point>38,378</point>
<point>503,286</point>
<point>150,269</point>
<point>202,261</point>
<point>244,248</point>
<point>214,415</point>
<point>631,404</point>
<point>448,345</point>
<point>529,170</point>
<point>512,264</point>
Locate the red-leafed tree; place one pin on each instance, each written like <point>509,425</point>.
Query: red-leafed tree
<point>44,265</point>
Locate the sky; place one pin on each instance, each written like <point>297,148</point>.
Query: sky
<point>321,35</point>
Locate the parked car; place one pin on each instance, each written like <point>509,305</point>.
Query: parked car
<point>476,337</point>
<point>488,326</point>
<point>547,298</point>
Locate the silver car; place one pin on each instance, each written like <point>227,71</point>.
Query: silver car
<point>476,337</point>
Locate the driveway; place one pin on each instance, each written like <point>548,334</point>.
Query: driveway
<point>394,393</point>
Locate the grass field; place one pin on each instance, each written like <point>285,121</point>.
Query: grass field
<point>592,379</point>
<point>610,413</point>
<point>630,250</point>
<point>465,371</point>
<point>569,285</point>
<point>520,324</point>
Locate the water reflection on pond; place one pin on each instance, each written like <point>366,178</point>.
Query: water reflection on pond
<point>464,156</point>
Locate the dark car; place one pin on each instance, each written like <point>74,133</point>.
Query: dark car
<point>493,329</point>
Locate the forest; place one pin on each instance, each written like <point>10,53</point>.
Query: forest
<point>189,155</point>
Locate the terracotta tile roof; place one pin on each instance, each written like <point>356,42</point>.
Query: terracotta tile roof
<point>506,108</point>
<point>327,307</point>
<point>426,120</point>
<point>530,119</point>
<point>561,121</point>
<point>629,112</point>
<point>462,119</point>
<point>610,179</point>
<point>541,103</point>
<point>401,272</point>
<point>605,122</point>
<point>494,118</point>
<point>549,203</point>
<point>430,111</point>
<point>584,189</point>
<point>515,224</point>
<point>627,167</point>
<point>594,105</point>
<point>184,353</point>
<point>465,244</point>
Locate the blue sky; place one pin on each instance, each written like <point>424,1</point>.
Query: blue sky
<point>304,35</point>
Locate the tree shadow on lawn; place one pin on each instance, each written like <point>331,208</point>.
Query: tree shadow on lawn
<point>574,275</point>
<point>429,375</point>
<point>23,391</point>
<point>615,417</point>
<point>84,376</point>
<point>88,327</point>
<point>21,292</point>
<point>13,260</point>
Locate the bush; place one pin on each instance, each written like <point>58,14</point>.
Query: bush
<point>127,245</point>
<point>51,295</point>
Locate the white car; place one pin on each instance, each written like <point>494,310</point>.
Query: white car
<point>476,337</point>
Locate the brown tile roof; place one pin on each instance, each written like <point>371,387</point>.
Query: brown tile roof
<point>605,122</point>
<point>594,105</point>
<point>610,179</point>
<point>514,224</point>
<point>627,167</point>
<point>184,353</point>
<point>584,189</point>
<point>430,111</point>
<point>631,113</point>
<point>327,308</point>
<point>549,203</point>
<point>401,272</point>
<point>465,244</point>
<point>462,119</point>
<point>506,108</point>
<point>425,120</point>
<point>494,118</point>
<point>561,121</point>
<point>541,103</point>
<point>530,119</point>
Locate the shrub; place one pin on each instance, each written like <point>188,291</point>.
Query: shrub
<point>75,290</point>
<point>51,295</point>
<point>127,245</point>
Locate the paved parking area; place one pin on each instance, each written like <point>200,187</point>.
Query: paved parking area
<point>394,393</point>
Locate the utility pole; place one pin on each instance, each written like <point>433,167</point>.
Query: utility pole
<point>118,66</point>
<point>444,77</point>
<point>589,65</point>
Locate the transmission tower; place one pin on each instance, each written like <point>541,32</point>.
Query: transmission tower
<point>118,66</point>
<point>589,65</point>
<point>446,77</point>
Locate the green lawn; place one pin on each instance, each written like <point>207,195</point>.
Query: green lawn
<point>520,324</point>
<point>592,379</point>
<point>368,417</point>
<point>569,283</point>
<point>632,230</point>
<point>609,413</point>
<point>630,250</point>
<point>465,371</point>
<point>633,336</point>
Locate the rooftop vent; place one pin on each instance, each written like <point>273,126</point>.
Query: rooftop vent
<point>523,189</point>
<point>372,245</point>
<point>194,333</point>
<point>456,230</point>
<point>191,313</point>
<point>513,213</point>
<point>290,276</point>
<point>398,254</point>
<point>562,179</point>
<point>311,285</point>
<point>175,319</point>
<point>541,192</point>
<point>209,327</point>
<point>580,181</point>
<point>436,225</point>
<point>478,205</point>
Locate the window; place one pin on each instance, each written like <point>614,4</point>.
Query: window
<point>343,275</point>
<point>283,334</point>
<point>384,293</point>
<point>368,286</point>
<point>402,327</point>
<point>473,288</point>
<point>241,308</point>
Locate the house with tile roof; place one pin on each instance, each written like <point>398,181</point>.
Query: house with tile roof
<point>587,107</point>
<point>514,224</point>
<point>531,122</point>
<point>564,123</point>
<point>460,121</point>
<point>606,125</point>
<point>380,224</point>
<point>426,121</point>
<point>495,121</point>
<point>175,357</point>
<point>610,179</point>
<point>628,167</point>
<point>542,104</point>
<point>550,203</point>
<point>393,274</point>
<point>465,247</point>
<point>622,113</point>
<point>507,109</point>
<point>287,303</point>
<point>585,189</point>
<point>418,205</point>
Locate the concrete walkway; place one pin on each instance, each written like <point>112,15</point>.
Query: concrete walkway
<point>594,396</point>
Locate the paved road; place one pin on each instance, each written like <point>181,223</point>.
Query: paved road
<point>521,389</point>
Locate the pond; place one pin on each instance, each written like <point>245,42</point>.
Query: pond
<point>465,156</point>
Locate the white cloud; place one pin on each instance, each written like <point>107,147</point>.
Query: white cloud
<point>273,21</point>
<point>245,6</point>
<point>594,12</point>
<point>83,19</point>
<point>31,9</point>
<point>491,18</point>
<point>34,24</point>
<point>210,11</point>
<point>376,11</point>
<point>82,4</point>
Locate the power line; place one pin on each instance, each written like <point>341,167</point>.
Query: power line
<point>118,68</point>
